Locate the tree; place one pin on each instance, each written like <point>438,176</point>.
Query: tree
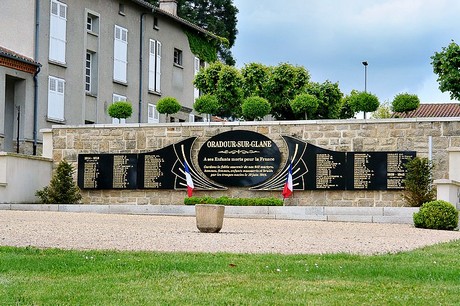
<point>364,102</point>
<point>168,106</point>
<point>383,111</point>
<point>206,104</point>
<point>255,78</point>
<point>216,16</point>
<point>62,189</point>
<point>329,97</point>
<point>284,83</point>
<point>120,110</point>
<point>226,84</point>
<point>304,104</point>
<point>255,108</point>
<point>418,182</point>
<point>346,111</point>
<point>446,64</point>
<point>404,102</point>
<point>229,92</point>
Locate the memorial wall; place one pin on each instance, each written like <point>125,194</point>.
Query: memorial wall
<point>334,163</point>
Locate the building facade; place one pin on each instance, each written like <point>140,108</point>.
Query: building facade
<point>90,54</point>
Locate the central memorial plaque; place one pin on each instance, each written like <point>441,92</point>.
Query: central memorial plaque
<point>239,158</point>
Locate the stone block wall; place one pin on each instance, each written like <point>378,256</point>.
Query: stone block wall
<point>337,135</point>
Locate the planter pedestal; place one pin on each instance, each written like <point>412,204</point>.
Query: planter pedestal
<point>209,218</point>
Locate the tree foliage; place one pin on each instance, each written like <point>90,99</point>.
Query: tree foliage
<point>226,84</point>
<point>216,16</point>
<point>120,110</point>
<point>329,97</point>
<point>255,77</point>
<point>62,189</point>
<point>168,106</point>
<point>404,102</point>
<point>304,105</point>
<point>284,83</point>
<point>364,102</point>
<point>418,182</point>
<point>255,108</point>
<point>206,104</point>
<point>446,64</point>
<point>383,111</point>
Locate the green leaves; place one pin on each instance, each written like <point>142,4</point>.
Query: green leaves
<point>446,64</point>
<point>418,182</point>
<point>168,106</point>
<point>120,110</point>
<point>405,102</point>
<point>438,214</point>
<point>255,108</point>
<point>62,189</point>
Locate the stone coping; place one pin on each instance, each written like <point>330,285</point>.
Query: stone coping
<point>24,156</point>
<point>397,215</point>
<point>256,123</point>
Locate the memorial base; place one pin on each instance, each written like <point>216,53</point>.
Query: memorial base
<point>209,218</point>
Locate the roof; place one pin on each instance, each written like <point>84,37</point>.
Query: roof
<point>182,21</point>
<point>433,110</point>
<point>16,56</point>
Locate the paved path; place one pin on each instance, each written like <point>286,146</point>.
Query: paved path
<point>166,233</point>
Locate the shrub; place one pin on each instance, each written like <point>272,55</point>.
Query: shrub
<point>168,106</point>
<point>364,102</point>
<point>304,105</point>
<point>405,102</point>
<point>418,182</point>
<point>120,110</point>
<point>62,189</point>
<point>206,104</point>
<point>437,215</point>
<point>255,108</point>
<point>234,201</point>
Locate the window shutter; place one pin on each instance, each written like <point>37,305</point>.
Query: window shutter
<point>58,27</point>
<point>196,91</point>
<point>158,68</point>
<point>56,98</point>
<point>120,50</point>
<point>152,60</point>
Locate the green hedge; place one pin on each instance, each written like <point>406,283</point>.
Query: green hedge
<point>234,201</point>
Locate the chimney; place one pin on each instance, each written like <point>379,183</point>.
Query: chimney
<point>169,6</point>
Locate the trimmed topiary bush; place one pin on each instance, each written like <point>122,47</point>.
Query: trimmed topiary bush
<point>120,110</point>
<point>405,102</point>
<point>438,214</point>
<point>255,108</point>
<point>234,201</point>
<point>168,106</point>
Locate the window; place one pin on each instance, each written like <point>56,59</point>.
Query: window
<point>120,58</point>
<point>155,66</point>
<point>56,98</point>
<point>58,25</point>
<point>88,67</point>
<point>155,23</point>
<point>196,91</point>
<point>92,23</point>
<point>121,9</point>
<point>177,57</point>
<point>154,115</point>
<point>116,98</point>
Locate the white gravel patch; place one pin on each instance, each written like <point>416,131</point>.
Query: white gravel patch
<point>90,231</point>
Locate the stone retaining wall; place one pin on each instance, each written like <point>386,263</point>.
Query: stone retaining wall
<point>337,135</point>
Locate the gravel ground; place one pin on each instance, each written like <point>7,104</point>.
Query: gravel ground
<point>88,231</point>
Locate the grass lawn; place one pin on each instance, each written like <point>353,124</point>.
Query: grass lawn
<point>30,276</point>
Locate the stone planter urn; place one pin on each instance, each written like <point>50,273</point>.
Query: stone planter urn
<point>209,217</point>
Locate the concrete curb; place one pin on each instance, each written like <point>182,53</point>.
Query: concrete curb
<point>398,215</point>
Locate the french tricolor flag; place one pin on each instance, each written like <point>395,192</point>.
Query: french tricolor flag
<point>188,177</point>
<point>287,190</point>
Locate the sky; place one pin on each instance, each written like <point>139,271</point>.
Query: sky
<point>331,39</point>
